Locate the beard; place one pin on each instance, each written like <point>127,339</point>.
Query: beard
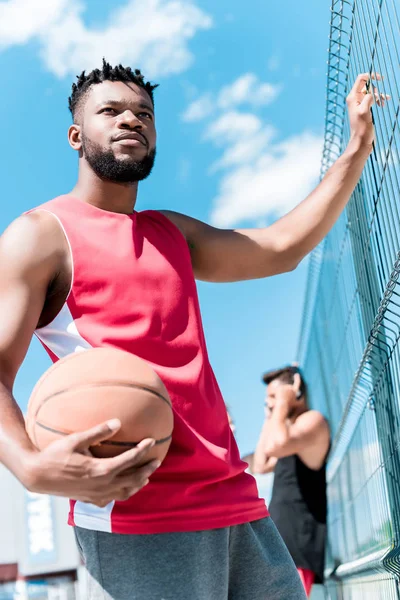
<point>107,166</point>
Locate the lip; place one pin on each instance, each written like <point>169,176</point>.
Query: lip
<point>131,142</point>
<point>131,139</point>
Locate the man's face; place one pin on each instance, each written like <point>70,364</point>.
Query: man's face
<point>118,131</point>
<point>270,395</point>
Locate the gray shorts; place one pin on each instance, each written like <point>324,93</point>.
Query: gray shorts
<point>244,562</point>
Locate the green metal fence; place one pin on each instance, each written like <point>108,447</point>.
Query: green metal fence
<point>349,346</point>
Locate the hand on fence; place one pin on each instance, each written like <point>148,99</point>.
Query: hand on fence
<point>359,104</point>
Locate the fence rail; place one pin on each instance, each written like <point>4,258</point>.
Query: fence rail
<point>349,344</point>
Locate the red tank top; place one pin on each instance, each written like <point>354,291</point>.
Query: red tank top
<point>133,288</point>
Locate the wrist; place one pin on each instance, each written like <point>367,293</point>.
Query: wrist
<point>282,407</point>
<point>28,469</point>
<point>359,147</point>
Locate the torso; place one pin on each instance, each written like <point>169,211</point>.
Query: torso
<point>298,508</point>
<point>133,288</point>
<point>60,284</point>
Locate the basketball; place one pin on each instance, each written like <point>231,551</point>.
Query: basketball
<point>88,388</point>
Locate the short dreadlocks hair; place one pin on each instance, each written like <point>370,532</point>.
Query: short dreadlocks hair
<point>106,73</point>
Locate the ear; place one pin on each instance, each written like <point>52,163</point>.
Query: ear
<point>75,137</point>
<point>296,382</point>
<point>297,386</point>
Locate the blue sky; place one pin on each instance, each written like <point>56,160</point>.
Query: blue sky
<point>240,114</point>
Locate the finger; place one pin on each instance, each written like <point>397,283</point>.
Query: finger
<point>367,102</point>
<point>84,439</point>
<point>130,458</point>
<point>374,92</point>
<point>86,452</point>
<point>140,474</point>
<point>124,495</point>
<point>361,84</point>
<point>128,492</point>
<point>296,382</point>
<point>381,99</point>
<point>101,503</point>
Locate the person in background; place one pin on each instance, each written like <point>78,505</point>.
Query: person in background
<point>294,444</point>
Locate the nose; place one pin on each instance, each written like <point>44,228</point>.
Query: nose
<point>128,120</point>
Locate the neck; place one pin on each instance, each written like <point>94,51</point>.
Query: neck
<point>107,195</point>
<point>296,413</point>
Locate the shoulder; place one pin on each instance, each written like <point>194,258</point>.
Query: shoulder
<point>179,220</point>
<point>197,234</point>
<point>314,421</point>
<point>32,238</point>
<point>313,429</point>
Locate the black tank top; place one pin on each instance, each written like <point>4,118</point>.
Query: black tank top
<point>298,509</point>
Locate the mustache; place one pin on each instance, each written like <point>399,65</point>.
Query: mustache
<point>131,135</point>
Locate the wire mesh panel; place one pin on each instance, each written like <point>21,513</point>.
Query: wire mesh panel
<point>376,587</point>
<point>349,347</point>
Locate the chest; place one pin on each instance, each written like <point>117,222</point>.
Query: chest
<point>129,278</point>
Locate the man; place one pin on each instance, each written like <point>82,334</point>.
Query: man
<point>86,269</point>
<point>294,444</point>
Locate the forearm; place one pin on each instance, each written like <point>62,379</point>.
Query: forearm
<point>15,445</point>
<point>275,432</point>
<point>307,224</point>
<point>276,429</point>
<point>263,464</point>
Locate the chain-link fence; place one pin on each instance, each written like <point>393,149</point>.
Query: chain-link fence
<point>351,324</point>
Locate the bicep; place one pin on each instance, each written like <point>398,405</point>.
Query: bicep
<point>25,271</point>
<point>225,255</point>
<point>308,438</point>
<point>310,426</point>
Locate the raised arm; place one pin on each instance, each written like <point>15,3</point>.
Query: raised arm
<point>31,255</point>
<point>233,255</point>
<point>308,436</point>
<point>260,463</point>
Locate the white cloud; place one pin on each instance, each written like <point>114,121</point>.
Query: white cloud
<point>232,126</point>
<point>247,89</point>
<point>273,183</point>
<point>199,109</point>
<point>245,134</point>
<point>260,176</point>
<point>22,20</point>
<point>153,35</point>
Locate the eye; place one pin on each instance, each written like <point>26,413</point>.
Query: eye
<point>108,110</point>
<point>147,115</point>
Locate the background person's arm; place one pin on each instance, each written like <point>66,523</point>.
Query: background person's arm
<point>221,255</point>
<point>262,463</point>
<point>308,436</point>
